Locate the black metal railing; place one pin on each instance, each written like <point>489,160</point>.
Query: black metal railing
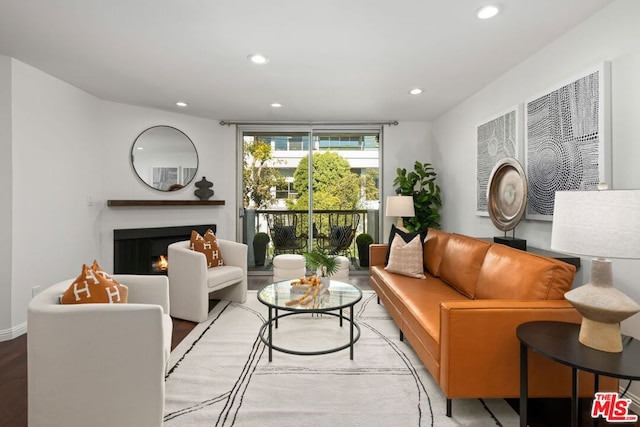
<point>298,231</point>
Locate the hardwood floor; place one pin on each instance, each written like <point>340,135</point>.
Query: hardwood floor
<point>13,377</point>
<point>13,382</point>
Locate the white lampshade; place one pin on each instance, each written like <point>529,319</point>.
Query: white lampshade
<point>400,206</point>
<point>602,224</point>
<point>598,223</point>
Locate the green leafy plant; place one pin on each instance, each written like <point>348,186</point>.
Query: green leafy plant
<point>258,175</point>
<point>364,239</point>
<point>334,185</point>
<point>318,259</point>
<point>421,184</point>
<point>261,237</point>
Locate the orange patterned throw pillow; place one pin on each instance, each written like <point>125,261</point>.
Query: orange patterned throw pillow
<point>93,285</point>
<point>208,245</point>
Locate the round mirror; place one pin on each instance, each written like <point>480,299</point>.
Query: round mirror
<point>164,158</point>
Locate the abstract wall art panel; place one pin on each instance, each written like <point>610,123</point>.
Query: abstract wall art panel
<point>496,139</point>
<point>566,140</point>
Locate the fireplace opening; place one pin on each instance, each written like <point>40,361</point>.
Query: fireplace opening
<point>144,250</point>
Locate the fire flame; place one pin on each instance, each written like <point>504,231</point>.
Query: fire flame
<point>162,263</point>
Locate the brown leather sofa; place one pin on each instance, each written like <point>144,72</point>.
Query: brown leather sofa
<point>461,320</point>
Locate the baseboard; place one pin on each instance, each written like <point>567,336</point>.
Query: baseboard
<point>15,332</point>
<point>635,400</point>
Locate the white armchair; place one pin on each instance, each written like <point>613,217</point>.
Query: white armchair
<point>99,365</point>
<point>191,283</point>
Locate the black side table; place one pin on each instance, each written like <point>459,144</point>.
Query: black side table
<point>558,341</point>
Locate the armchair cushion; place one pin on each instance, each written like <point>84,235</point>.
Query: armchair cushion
<point>284,236</point>
<point>224,276</point>
<point>208,245</point>
<point>93,285</point>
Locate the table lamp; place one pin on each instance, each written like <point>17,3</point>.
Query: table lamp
<point>604,224</point>
<point>400,206</point>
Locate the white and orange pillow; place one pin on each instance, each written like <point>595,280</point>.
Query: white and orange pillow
<point>208,245</point>
<point>94,285</point>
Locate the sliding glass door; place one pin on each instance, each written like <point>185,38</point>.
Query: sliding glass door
<point>306,188</point>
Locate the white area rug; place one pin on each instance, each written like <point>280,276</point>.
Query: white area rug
<point>221,376</point>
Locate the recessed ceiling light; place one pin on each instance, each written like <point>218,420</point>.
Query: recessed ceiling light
<point>416,91</point>
<point>488,11</point>
<point>139,148</point>
<point>181,104</point>
<point>258,59</point>
<point>276,105</point>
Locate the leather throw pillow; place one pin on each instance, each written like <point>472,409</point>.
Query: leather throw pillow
<point>93,285</point>
<point>208,245</point>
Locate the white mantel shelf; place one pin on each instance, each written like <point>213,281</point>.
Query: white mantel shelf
<point>119,203</point>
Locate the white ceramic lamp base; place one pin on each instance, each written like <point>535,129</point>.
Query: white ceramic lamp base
<point>603,308</point>
<point>601,336</point>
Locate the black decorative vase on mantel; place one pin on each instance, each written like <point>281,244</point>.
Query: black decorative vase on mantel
<point>204,191</point>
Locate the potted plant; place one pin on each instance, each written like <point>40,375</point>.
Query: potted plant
<point>363,241</point>
<point>260,242</point>
<point>421,184</point>
<point>324,264</point>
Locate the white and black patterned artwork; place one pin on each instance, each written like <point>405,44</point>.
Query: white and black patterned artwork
<point>565,142</point>
<point>496,139</point>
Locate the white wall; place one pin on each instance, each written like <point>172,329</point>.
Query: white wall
<point>55,140</point>
<point>613,34</point>
<point>5,198</point>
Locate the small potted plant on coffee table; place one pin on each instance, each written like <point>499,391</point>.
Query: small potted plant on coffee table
<point>324,264</point>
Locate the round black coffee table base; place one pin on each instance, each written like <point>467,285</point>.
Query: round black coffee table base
<point>266,331</point>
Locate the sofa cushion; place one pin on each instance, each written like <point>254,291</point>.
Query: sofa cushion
<point>434,246</point>
<point>93,285</point>
<point>406,258</point>
<point>406,236</point>
<point>208,245</point>
<point>223,276</point>
<point>461,263</point>
<point>421,299</point>
<point>538,278</point>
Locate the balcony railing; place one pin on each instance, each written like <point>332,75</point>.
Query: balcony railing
<point>290,231</point>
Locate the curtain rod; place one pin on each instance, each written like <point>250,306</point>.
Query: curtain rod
<point>229,123</point>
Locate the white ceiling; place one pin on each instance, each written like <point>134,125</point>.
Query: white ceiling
<point>331,60</point>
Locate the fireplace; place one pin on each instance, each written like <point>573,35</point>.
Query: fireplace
<point>139,250</point>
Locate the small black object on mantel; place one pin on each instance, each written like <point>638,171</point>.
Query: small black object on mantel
<point>511,241</point>
<point>204,191</point>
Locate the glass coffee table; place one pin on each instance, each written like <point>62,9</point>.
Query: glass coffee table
<point>331,301</point>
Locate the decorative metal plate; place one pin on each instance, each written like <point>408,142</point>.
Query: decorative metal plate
<point>507,194</point>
